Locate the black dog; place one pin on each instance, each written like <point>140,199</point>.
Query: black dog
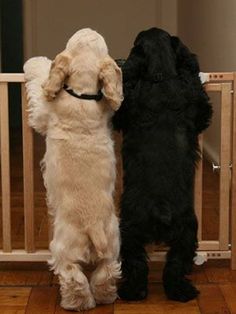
<point>164,110</point>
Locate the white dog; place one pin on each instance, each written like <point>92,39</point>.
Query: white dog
<point>79,164</point>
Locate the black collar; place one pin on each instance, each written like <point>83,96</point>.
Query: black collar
<point>96,97</point>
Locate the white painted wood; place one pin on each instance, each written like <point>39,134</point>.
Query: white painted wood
<point>12,77</point>
<point>24,256</point>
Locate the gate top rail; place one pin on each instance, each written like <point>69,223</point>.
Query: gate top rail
<point>220,76</point>
<point>214,82</point>
<point>213,77</point>
<point>12,77</point>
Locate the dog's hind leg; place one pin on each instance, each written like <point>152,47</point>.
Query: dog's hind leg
<point>104,278</point>
<point>103,281</point>
<point>74,287</point>
<point>179,263</point>
<point>75,290</point>
<point>134,267</point>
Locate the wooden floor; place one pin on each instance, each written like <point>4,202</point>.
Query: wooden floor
<point>36,291</point>
<point>31,288</point>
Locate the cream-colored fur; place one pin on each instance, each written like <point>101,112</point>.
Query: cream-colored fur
<point>79,165</point>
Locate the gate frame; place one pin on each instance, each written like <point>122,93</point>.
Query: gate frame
<point>225,82</point>
<point>225,247</point>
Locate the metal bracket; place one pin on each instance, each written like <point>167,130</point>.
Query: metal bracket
<point>215,167</point>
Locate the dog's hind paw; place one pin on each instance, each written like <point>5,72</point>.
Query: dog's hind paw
<point>104,294</point>
<point>79,305</point>
<point>106,299</point>
<point>182,290</point>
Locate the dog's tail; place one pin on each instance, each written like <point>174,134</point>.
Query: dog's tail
<point>36,72</point>
<point>37,68</point>
<point>98,238</point>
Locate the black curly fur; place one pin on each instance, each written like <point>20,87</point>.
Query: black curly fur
<point>164,110</point>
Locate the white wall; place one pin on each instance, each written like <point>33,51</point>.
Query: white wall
<point>53,22</point>
<point>49,23</point>
<point>208,27</point>
<point>168,16</point>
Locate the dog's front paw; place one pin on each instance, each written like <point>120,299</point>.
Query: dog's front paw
<point>181,290</point>
<point>132,293</point>
<point>50,91</point>
<point>49,94</point>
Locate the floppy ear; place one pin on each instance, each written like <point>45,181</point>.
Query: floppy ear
<point>135,65</point>
<point>58,72</point>
<point>185,60</point>
<point>111,78</point>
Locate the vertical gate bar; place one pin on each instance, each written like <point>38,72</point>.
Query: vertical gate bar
<point>198,191</point>
<point>225,154</point>
<point>233,188</point>
<point>5,168</point>
<point>28,174</point>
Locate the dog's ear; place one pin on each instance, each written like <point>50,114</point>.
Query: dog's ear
<point>185,60</point>
<point>58,72</point>
<point>135,65</point>
<point>110,76</point>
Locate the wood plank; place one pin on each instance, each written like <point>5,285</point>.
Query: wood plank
<point>28,176</point>
<point>213,87</point>
<point>155,272</point>
<point>5,168</point>
<point>225,156</point>
<point>156,303</point>
<point>42,300</point>
<point>101,309</point>
<point>219,272</point>
<point>8,309</point>
<point>16,266</point>
<point>221,76</point>
<point>229,292</point>
<point>55,280</point>
<point>233,187</point>
<point>23,256</point>
<point>14,296</point>
<point>198,275</point>
<point>210,245</point>
<point>211,300</point>
<point>19,77</point>
<point>25,278</point>
<point>12,77</point>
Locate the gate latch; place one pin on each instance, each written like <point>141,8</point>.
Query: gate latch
<point>215,167</point>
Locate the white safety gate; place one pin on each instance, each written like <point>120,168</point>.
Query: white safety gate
<point>223,247</point>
